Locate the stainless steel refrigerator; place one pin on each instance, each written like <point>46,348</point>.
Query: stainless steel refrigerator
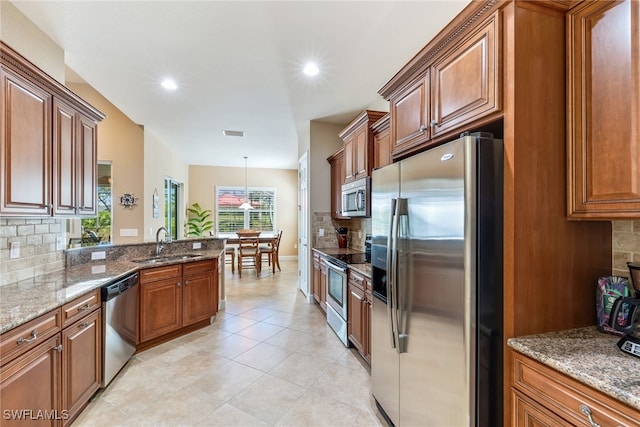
<point>436,338</point>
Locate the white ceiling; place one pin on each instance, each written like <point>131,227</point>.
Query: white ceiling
<point>238,65</point>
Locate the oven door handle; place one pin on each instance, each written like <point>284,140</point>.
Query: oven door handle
<point>331,265</point>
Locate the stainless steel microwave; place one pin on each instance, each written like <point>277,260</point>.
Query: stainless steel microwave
<point>356,197</point>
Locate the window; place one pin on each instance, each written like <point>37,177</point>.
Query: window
<point>229,218</point>
<point>97,230</point>
<point>172,198</point>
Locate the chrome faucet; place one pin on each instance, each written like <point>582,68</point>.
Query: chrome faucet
<point>159,242</point>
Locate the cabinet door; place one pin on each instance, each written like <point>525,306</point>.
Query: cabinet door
<point>87,166</point>
<point>64,159</point>
<point>355,314</point>
<point>315,283</point>
<point>25,147</point>
<point>382,149</point>
<point>81,362</point>
<point>199,297</point>
<point>465,82</point>
<point>362,151</point>
<point>409,115</point>
<point>337,179</point>
<point>160,308</point>
<point>349,162</point>
<point>38,369</point>
<point>527,413</point>
<point>604,110</point>
<point>323,285</point>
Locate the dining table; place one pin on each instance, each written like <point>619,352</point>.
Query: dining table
<point>263,238</point>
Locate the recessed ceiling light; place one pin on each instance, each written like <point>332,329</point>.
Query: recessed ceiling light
<point>169,84</point>
<point>239,133</point>
<point>311,69</point>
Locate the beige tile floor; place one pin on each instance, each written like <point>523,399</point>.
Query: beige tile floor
<point>268,359</point>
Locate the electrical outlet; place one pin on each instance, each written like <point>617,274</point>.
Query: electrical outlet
<point>321,232</point>
<point>98,255</point>
<point>14,250</point>
<point>59,243</point>
<point>197,245</point>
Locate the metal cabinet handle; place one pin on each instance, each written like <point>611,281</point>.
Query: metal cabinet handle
<point>178,284</point>
<point>34,336</point>
<point>186,282</point>
<point>84,307</point>
<point>587,411</point>
<point>423,128</point>
<point>84,325</point>
<point>433,123</point>
<point>58,348</point>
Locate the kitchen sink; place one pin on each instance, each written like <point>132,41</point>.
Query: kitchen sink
<point>166,258</point>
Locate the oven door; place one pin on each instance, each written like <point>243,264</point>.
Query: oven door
<point>337,288</point>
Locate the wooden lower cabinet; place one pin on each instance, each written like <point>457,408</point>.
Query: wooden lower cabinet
<point>37,369</point>
<point>542,396</point>
<point>175,296</point>
<point>81,363</point>
<point>319,281</point>
<point>359,314</point>
<point>48,374</point>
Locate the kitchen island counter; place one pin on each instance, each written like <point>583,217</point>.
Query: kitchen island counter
<point>28,299</point>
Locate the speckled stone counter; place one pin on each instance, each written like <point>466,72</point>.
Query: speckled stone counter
<point>590,357</point>
<point>26,300</point>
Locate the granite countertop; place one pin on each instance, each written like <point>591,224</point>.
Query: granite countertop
<point>589,356</point>
<point>28,299</point>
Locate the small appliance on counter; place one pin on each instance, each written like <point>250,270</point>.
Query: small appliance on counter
<point>342,232</point>
<point>624,315</point>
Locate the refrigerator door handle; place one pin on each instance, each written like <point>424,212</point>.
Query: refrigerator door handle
<point>390,272</point>
<point>395,306</point>
<point>403,304</point>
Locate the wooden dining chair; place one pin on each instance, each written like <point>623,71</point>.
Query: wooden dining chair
<point>248,252</point>
<point>271,250</point>
<point>230,257</point>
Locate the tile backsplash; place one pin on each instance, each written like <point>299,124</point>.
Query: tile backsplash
<point>626,245</point>
<point>38,255</point>
<point>358,227</point>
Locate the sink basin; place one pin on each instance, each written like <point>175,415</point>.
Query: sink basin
<point>166,258</point>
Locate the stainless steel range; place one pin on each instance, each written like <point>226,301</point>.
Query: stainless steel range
<point>337,290</point>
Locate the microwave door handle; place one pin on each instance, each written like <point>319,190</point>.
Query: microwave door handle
<point>360,200</point>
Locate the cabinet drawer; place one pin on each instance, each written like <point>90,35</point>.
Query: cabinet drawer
<point>566,397</point>
<point>23,338</point>
<point>199,266</point>
<point>356,280</point>
<point>160,273</point>
<point>79,307</point>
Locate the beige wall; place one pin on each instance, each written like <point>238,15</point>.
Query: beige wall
<point>202,189</point>
<point>161,162</point>
<point>121,142</point>
<point>324,142</point>
<point>22,35</point>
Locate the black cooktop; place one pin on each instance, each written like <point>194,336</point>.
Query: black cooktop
<point>353,258</point>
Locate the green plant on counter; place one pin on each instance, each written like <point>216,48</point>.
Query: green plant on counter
<point>198,223</point>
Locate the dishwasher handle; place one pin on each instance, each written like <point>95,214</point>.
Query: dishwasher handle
<point>115,288</point>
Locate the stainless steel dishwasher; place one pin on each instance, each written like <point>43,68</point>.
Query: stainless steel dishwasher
<point>119,324</point>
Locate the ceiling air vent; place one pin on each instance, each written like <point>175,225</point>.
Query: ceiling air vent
<point>239,133</point>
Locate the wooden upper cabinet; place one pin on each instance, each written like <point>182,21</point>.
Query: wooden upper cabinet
<point>25,146</point>
<point>381,142</point>
<point>409,116</point>
<point>48,144</point>
<point>358,145</point>
<point>336,160</point>
<point>466,81</point>
<point>603,110</point>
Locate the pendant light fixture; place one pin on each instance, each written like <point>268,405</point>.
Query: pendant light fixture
<point>245,205</point>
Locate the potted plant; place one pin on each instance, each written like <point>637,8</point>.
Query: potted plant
<point>198,223</point>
